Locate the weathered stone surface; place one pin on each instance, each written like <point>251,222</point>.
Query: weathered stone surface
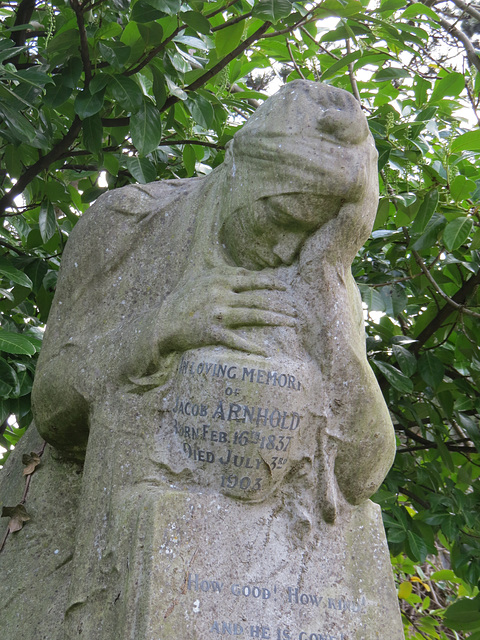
<point>205,353</point>
<point>35,564</point>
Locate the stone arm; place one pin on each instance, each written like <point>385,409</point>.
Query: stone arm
<point>357,417</point>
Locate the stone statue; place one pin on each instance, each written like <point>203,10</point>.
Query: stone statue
<point>205,362</point>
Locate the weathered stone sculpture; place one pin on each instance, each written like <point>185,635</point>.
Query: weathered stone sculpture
<point>205,355</point>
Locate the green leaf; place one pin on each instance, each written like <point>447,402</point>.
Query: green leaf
<point>143,11</point>
<point>395,300</point>
<point>126,92</point>
<point>340,64</point>
<point>174,90</point>
<point>425,211</point>
<point>189,159</point>
<point>151,34</point>
<point>472,427</point>
<point>464,615</point>
<point>23,129</point>
<point>15,343</point>
<point>337,8</point>
<point>452,85</point>
<point>227,39</point>
<point>71,72</point>
<point>115,53</point>
<point>8,378</point>
<point>431,233</point>
<point>416,9</point>
<point>47,221</point>
<point>92,133</point>
<point>431,369</point>
<point>372,298</point>
<point>394,377</point>
<point>159,88</point>
<point>444,574</point>
<point>87,105</point>
<point>405,359</point>
<point>196,21</point>
<point>141,169</point>
<point>272,10</point>
<point>384,149</point>
<point>461,188</point>
<point>391,73</point>
<point>417,546</point>
<point>170,7</point>
<point>201,110</point>
<point>57,93</point>
<point>111,163</point>
<point>146,128</point>
<point>99,82</point>
<point>14,275</point>
<point>457,232</point>
<point>469,141</point>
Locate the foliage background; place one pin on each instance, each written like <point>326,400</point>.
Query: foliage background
<point>95,95</point>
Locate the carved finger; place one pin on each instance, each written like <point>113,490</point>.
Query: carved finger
<point>252,281</point>
<point>266,301</point>
<point>245,317</point>
<point>231,340</point>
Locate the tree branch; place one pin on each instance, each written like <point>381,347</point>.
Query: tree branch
<point>428,444</point>
<point>413,496</point>
<point>87,66</point>
<point>468,9</point>
<point>23,15</point>
<point>7,245</point>
<point>154,52</point>
<point>459,35</point>
<point>232,21</point>
<point>43,163</point>
<point>220,65</point>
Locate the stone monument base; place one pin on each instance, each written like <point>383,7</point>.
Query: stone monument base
<point>202,567</point>
<point>207,567</point>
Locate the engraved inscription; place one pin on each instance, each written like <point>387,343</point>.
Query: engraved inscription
<point>289,595</point>
<point>237,425</point>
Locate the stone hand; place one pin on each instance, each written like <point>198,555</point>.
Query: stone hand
<point>207,309</point>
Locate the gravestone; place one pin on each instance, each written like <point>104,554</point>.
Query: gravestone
<point>208,405</point>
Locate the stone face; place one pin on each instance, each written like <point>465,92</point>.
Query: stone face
<point>205,357</point>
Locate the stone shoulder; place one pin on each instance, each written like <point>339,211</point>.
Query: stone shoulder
<point>115,217</point>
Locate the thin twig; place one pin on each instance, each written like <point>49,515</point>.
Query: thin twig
<point>392,282</point>
<point>297,68</point>
<point>225,6</point>
<point>351,74</point>
<point>322,48</point>
<point>431,279</point>
<point>154,52</point>
<point>411,621</point>
<point>459,35</point>
<point>221,64</point>
<point>413,496</point>
<point>468,9</point>
<point>232,21</point>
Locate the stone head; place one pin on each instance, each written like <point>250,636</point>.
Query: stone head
<point>304,154</point>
